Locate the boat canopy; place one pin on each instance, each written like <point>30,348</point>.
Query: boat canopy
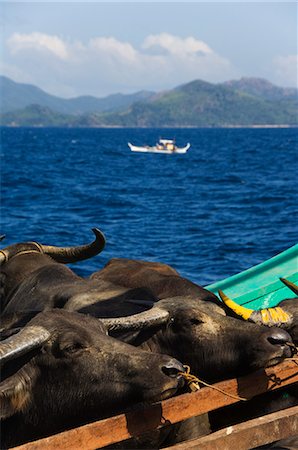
<point>166,141</point>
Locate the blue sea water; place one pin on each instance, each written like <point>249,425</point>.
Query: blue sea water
<point>228,204</point>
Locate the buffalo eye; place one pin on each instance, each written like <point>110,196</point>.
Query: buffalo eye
<point>67,347</point>
<point>72,348</point>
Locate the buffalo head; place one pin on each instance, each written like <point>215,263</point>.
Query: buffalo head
<point>18,262</point>
<point>62,370</point>
<point>214,345</point>
<point>198,332</point>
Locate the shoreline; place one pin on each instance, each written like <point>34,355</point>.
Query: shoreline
<point>265,126</point>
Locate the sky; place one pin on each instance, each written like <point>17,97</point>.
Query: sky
<point>100,48</point>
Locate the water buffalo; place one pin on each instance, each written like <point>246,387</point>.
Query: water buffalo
<point>214,345</point>
<point>181,319</point>
<point>34,277</point>
<point>161,279</point>
<point>39,265</point>
<point>62,370</point>
<point>198,332</point>
<point>189,323</point>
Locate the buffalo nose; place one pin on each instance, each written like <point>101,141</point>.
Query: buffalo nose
<point>278,336</point>
<point>172,368</point>
<point>282,340</point>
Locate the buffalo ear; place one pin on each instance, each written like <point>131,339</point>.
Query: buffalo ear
<point>18,372</point>
<point>127,337</point>
<point>15,391</point>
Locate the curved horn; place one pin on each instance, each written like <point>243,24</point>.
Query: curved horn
<point>239,310</point>
<point>27,339</point>
<point>72,254</point>
<point>2,254</point>
<point>3,257</point>
<point>146,319</point>
<point>269,316</point>
<point>290,285</point>
<point>149,303</point>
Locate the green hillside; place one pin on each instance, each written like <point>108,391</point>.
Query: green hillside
<point>195,104</point>
<point>36,116</point>
<point>262,88</point>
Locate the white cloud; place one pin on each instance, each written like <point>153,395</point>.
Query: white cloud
<point>114,48</point>
<point>176,45</point>
<point>106,65</point>
<point>286,70</point>
<point>37,41</point>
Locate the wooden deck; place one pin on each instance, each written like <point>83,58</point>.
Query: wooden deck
<point>241,436</point>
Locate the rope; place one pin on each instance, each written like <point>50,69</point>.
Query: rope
<point>294,349</point>
<point>293,346</point>
<point>193,384</point>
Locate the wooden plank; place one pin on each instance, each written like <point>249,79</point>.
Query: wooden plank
<point>118,428</point>
<point>247,435</point>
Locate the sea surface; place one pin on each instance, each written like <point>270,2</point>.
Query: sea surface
<point>228,204</point>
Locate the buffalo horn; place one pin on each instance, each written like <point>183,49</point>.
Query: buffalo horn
<point>3,257</point>
<point>149,303</point>
<point>27,339</point>
<point>146,319</point>
<point>72,254</point>
<point>290,285</point>
<point>269,316</point>
<point>239,310</point>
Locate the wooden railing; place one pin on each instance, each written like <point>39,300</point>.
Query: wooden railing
<point>241,436</point>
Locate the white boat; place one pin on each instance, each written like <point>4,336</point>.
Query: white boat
<point>163,146</point>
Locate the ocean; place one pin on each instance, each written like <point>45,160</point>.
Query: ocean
<point>228,204</point>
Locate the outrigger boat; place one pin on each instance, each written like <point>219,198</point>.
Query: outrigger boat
<point>163,146</point>
<point>263,285</point>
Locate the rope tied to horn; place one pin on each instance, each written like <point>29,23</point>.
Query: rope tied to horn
<point>276,316</point>
<point>293,347</point>
<point>194,382</point>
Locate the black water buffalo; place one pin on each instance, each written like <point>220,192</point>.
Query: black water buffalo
<point>34,277</point>
<point>198,331</point>
<point>186,320</point>
<point>62,370</point>
<point>215,346</point>
<point>161,279</point>
<point>39,265</point>
<point>183,318</point>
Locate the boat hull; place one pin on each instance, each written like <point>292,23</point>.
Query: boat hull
<point>260,286</point>
<point>147,149</point>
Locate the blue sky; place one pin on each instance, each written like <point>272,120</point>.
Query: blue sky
<point>98,48</point>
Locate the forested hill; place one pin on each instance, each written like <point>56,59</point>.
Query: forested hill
<point>17,96</point>
<point>245,102</point>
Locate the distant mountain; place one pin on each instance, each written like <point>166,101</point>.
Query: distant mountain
<point>200,103</point>
<point>262,88</point>
<point>36,116</point>
<point>16,96</point>
<point>246,102</point>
